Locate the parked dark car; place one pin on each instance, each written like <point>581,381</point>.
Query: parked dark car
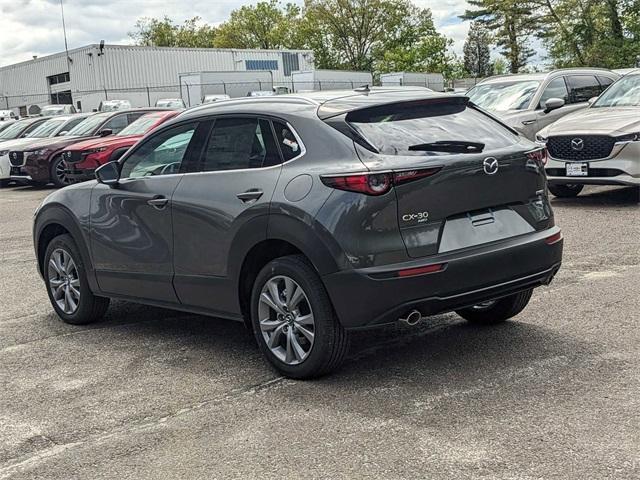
<point>81,159</point>
<point>46,165</point>
<point>309,216</point>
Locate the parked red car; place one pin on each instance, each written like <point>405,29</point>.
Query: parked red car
<point>81,159</point>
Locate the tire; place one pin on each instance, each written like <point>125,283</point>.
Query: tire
<point>318,356</point>
<point>497,311</point>
<point>566,191</point>
<point>71,276</point>
<point>56,173</point>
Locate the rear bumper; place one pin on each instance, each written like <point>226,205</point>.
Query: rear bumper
<point>469,277</point>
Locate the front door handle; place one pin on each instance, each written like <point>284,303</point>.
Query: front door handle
<point>158,202</point>
<point>250,195</point>
<point>528,122</point>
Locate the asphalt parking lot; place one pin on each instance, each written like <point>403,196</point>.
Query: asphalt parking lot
<point>151,393</point>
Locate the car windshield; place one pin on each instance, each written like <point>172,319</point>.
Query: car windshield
<point>504,96</point>
<point>430,129</point>
<point>140,126</point>
<point>12,131</point>
<point>47,129</point>
<point>624,93</point>
<point>88,126</point>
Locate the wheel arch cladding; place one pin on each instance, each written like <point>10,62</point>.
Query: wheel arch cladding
<point>53,221</point>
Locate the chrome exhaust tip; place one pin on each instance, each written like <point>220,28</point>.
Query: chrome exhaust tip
<point>413,318</point>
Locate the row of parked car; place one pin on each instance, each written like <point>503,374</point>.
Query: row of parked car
<point>589,120</point>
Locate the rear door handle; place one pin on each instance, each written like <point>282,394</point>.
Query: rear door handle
<point>250,195</point>
<point>528,122</point>
<point>158,202</point>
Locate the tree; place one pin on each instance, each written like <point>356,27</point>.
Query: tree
<point>266,25</point>
<point>380,35</point>
<point>165,33</point>
<point>499,67</point>
<point>512,23</point>
<point>477,54</point>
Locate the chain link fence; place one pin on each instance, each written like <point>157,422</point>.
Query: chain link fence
<point>191,94</point>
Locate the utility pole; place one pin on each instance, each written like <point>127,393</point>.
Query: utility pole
<point>64,31</point>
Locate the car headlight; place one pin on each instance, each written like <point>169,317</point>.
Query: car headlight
<point>541,137</point>
<point>4,152</point>
<point>631,137</point>
<point>94,150</point>
<point>44,151</point>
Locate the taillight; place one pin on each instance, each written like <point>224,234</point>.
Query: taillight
<point>539,155</point>
<point>375,183</point>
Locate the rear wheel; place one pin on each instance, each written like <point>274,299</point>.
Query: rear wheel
<point>293,319</point>
<point>58,173</point>
<point>566,191</point>
<point>67,285</point>
<point>497,311</point>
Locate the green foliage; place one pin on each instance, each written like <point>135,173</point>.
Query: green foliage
<point>165,33</point>
<point>266,25</point>
<point>477,52</point>
<point>512,23</point>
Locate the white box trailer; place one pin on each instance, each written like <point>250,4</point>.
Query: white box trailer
<point>195,85</point>
<point>434,81</point>
<point>329,80</point>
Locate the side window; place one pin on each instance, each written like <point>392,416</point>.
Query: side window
<point>240,143</point>
<point>116,124</point>
<point>582,88</point>
<point>132,117</point>
<point>289,145</point>
<point>557,88</point>
<point>604,82</point>
<point>160,155</point>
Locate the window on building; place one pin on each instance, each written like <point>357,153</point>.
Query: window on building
<point>61,98</point>
<point>59,78</point>
<point>290,63</point>
<point>261,64</point>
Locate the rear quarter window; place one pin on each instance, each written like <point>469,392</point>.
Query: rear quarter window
<point>394,129</point>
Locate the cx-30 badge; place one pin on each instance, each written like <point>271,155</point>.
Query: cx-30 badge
<point>490,165</point>
<point>577,144</point>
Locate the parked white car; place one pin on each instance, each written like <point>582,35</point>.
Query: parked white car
<point>528,103</point>
<point>599,145</point>
<point>6,115</point>
<point>53,110</point>
<point>170,103</point>
<point>113,105</point>
<point>215,98</point>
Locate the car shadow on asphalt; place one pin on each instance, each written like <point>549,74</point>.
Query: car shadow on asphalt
<point>441,347</point>
<point>614,197</point>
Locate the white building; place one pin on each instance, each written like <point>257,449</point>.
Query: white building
<point>141,75</point>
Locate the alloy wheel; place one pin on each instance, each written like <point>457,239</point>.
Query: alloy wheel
<point>61,174</point>
<point>286,320</point>
<point>64,281</point>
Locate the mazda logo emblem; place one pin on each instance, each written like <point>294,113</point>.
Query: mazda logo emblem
<point>577,144</point>
<point>490,165</point>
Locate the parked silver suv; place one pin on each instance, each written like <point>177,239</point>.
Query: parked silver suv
<point>599,145</point>
<point>530,102</point>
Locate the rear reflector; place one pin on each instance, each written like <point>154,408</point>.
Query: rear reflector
<point>410,272</point>
<point>555,238</point>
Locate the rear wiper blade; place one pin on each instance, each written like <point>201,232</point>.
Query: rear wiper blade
<point>453,146</point>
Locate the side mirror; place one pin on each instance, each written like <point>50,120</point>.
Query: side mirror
<point>553,104</point>
<point>105,132</point>
<point>592,100</point>
<point>108,174</point>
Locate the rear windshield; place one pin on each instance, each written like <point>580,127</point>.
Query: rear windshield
<point>409,129</point>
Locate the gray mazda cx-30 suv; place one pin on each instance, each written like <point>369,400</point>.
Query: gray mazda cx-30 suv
<point>307,216</point>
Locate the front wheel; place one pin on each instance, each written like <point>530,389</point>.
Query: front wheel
<point>67,284</point>
<point>566,191</point>
<point>58,173</point>
<point>497,311</point>
<point>293,319</point>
